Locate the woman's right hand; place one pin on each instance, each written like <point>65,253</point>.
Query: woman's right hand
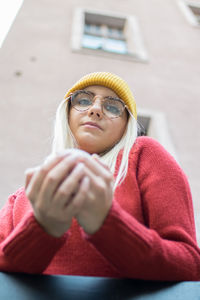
<point>50,191</point>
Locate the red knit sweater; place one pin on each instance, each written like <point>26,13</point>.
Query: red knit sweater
<point>149,232</point>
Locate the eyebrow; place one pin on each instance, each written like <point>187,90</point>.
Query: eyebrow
<point>109,97</point>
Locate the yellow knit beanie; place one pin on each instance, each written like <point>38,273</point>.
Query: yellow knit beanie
<point>112,81</point>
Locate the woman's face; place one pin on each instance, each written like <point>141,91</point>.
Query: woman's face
<point>93,131</point>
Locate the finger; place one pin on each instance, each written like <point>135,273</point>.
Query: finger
<point>76,204</point>
<point>91,175</point>
<point>97,168</point>
<point>35,182</point>
<point>57,175</point>
<point>73,151</point>
<point>96,182</point>
<point>70,186</point>
<point>98,159</point>
<point>29,174</point>
<point>51,157</point>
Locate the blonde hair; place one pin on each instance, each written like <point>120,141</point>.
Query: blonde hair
<point>63,139</point>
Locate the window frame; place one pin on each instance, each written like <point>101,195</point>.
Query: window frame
<point>187,11</point>
<point>135,44</point>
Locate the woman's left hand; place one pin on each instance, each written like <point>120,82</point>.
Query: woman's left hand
<point>94,205</point>
<point>96,202</point>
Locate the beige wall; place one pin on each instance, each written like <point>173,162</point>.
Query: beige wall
<point>38,49</point>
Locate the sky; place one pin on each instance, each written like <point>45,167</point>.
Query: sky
<point>8,12</point>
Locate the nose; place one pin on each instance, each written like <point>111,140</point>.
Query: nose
<point>96,109</point>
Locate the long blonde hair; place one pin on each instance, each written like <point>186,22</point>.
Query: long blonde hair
<point>63,139</point>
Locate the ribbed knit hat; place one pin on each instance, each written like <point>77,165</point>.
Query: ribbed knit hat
<point>112,81</point>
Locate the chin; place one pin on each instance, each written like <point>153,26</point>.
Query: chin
<point>89,144</point>
<point>89,148</point>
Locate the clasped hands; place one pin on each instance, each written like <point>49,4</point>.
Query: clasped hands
<point>72,184</point>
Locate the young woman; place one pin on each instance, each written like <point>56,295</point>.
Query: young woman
<point>105,202</point>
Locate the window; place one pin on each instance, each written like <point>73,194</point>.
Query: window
<point>154,124</point>
<point>107,34</point>
<point>143,124</point>
<point>101,34</point>
<point>191,10</point>
<point>196,11</point>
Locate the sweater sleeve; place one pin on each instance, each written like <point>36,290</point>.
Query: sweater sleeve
<point>25,246</point>
<point>165,247</point>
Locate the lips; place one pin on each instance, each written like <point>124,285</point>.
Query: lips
<point>92,124</point>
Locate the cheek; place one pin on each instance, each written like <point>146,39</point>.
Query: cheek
<point>120,128</point>
<point>72,120</point>
<point>122,125</point>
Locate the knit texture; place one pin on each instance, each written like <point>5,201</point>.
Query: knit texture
<point>149,232</point>
<point>112,81</point>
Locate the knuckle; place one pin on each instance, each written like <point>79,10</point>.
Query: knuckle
<point>83,192</point>
<point>77,173</point>
<point>109,177</point>
<point>43,170</point>
<point>76,205</point>
<point>80,167</point>
<point>62,192</point>
<point>39,208</point>
<point>51,178</point>
<point>30,195</point>
<point>101,185</point>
